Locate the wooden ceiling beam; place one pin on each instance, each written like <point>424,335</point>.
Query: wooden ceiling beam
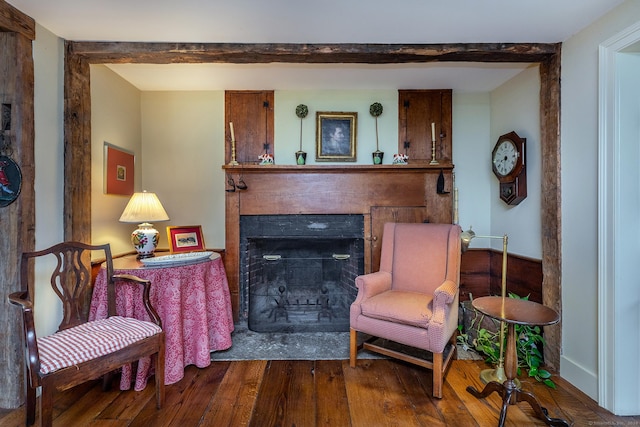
<point>14,21</point>
<point>240,53</point>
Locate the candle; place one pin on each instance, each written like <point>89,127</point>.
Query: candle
<point>233,136</point>
<point>433,131</point>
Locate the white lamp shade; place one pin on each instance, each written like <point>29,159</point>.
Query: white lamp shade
<point>144,207</point>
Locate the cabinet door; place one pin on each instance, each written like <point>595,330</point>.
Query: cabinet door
<point>417,109</point>
<point>383,214</point>
<point>251,113</point>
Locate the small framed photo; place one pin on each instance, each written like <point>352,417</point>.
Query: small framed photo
<point>185,238</point>
<point>118,170</point>
<point>336,136</point>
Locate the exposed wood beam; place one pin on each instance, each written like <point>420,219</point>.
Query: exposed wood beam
<point>14,21</point>
<point>551,201</point>
<point>166,53</point>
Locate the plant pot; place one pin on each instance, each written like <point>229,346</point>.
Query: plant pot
<point>377,157</point>
<point>301,157</point>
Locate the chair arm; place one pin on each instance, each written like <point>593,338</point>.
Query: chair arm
<point>20,299</point>
<point>443,296</point>
<point>372,284</point>
<point>31,343</point>
<point>129,278</point>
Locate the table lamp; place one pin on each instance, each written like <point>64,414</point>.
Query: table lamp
<point>144,208</point>
<point>498,373</point>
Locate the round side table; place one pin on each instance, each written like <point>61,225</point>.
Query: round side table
<point>515,312</point>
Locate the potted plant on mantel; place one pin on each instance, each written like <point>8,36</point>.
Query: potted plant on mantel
<point>376,110</point>
<point>301,112</point>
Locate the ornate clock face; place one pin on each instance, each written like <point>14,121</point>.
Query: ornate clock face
<point>505,157</point>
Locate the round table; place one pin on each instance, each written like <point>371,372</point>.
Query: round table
<point>513,312</point>
<point>193,301</point>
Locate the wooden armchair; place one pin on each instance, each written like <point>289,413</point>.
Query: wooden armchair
<point>413,299</point>
<point>80,350</point>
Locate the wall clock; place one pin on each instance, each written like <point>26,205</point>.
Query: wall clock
<point>508,163</point>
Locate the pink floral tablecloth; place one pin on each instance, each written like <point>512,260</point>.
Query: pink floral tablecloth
<point>195,307</point>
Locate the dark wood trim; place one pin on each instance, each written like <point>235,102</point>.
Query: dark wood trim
<point>18,218</point>
<point>14,21</point>
<point>551,201</point>
<point>547,55</point>
<point>77,149</point>
<point>481,275</point>
<point>241,53</point>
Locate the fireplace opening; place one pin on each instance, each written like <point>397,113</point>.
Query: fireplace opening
<point>300,271</point>
<point>301,285</point>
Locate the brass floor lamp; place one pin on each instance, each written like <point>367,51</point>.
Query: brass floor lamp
<point>498,373</point>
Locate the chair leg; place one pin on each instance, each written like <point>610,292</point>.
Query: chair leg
<point>159,359</point>
<point>30,404</point>
<point>46,406</point>
<point>437,375</point>
<point>353,347</point>
<point>106,381</point>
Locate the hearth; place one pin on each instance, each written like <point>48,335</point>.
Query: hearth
<point>298,271</point>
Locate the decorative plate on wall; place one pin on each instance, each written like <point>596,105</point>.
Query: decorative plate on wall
<point>10,181</point>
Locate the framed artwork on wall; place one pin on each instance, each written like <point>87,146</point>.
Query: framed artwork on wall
<point>336,136</point>
<point>185,238</point>
<point>118,170</point>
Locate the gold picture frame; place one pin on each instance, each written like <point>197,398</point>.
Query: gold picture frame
<point>336,136</point>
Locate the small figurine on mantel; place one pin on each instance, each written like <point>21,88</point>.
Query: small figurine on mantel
<point>265,159</point>
<point>400,159</point>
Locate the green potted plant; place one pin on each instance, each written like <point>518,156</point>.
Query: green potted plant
<point>301,112</point>
<point>376,110</point>
<point>482,334</point>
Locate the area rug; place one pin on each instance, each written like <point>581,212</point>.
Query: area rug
<point>250,345</point>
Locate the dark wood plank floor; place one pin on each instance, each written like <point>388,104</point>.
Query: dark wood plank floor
<point>317,393</point>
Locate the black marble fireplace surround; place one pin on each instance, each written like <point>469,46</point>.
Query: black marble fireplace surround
<point>297,271</point>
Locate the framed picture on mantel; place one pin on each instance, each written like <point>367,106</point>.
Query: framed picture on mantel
<point>336,136</point>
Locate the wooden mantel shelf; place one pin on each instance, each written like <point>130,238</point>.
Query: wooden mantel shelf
<point>417,167</point>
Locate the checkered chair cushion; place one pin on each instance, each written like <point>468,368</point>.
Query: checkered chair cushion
<point>91,340</point>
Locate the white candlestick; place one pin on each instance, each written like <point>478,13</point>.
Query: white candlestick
<point>433,131</point>
<point>233,136</point>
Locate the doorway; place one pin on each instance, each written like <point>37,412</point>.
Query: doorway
<point>619,224</point>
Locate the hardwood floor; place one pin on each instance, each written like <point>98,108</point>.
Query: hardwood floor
<point>258,393</point>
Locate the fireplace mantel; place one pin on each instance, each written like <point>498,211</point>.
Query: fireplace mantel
<point>332,189</point>
<point>415,167</point>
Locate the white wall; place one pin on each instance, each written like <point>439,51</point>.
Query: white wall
<point>472,160</point>
<point>579,134</point>
<point>515,106</point>
<point>116,119</point>
<point>183,154</point>
<point>48,51</point>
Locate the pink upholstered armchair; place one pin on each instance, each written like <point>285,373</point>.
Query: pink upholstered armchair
<point>413,299</point>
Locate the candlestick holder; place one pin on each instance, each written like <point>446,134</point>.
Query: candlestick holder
<point>433,153</point>
<point>233,161</point>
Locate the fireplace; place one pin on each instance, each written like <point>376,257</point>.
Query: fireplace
<point>298,271</point>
